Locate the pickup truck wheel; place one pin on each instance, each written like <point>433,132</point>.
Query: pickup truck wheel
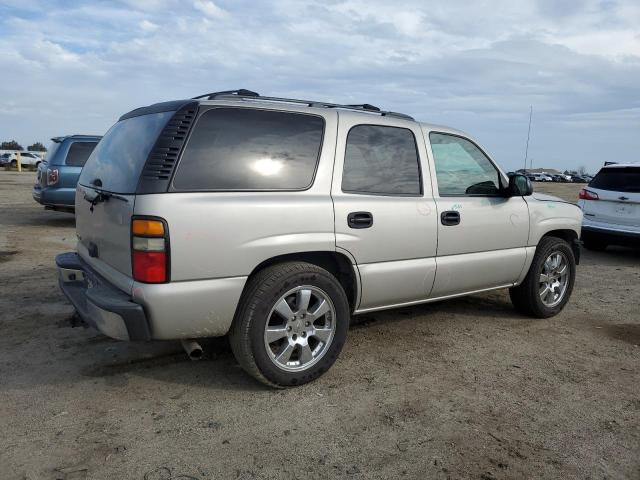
<point>291,324</point>
<point>548,285</point>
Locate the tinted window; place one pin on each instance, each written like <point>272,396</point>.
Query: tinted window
<point>121,154</point>
<point>462,168</point>
<point>246,149</point>
<point>51,152</point>
<point>381,160</point>
<point>618,179</point>
<point>79,153</point>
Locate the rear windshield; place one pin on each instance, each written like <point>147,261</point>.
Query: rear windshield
<point>52,151</point>
<point>121,154</point>
<point>618,179</point>
<point>79,153</point>
<point>250,149</point>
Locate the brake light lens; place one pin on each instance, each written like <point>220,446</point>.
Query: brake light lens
<point>150,251</point>
<point>588,195</point>
<point>52,176</point>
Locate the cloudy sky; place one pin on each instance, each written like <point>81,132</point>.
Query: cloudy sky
<point>74,67</point>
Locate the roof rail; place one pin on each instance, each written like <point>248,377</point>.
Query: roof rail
<point>244,94</point>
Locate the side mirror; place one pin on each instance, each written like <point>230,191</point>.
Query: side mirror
<point>519,185</point>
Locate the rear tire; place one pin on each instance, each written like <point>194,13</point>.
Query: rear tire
<point>283,334</point>
<point>530,297</point>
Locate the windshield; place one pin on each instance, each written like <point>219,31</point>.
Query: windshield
<point>618,179</point>
<point>121,154</point>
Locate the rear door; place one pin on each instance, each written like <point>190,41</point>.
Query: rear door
<point>106,194</point>
<point>384,210</point>
<point>618,190</point>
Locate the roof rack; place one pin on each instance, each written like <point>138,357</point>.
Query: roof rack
<point>250,95</point>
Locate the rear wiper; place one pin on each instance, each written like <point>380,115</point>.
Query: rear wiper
<point>99,196</point>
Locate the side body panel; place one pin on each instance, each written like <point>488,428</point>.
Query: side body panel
<point>550,213</point>
<point>396,255</point>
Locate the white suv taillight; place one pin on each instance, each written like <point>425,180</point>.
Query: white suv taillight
<point>149,250</point>
<point>52,176</point>
<point>588,195</point>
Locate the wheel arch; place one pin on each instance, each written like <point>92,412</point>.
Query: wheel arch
<point>570,236</point>
<point>336,263</point>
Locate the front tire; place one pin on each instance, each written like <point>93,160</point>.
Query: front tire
<point>291,324</point>
<point>548,285</point>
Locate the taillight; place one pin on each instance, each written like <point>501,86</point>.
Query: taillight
<point>588,195</point>
<point>52,176</point>
<point>149,250</point>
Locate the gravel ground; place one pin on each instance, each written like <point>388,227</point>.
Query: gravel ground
<point>459,389</point>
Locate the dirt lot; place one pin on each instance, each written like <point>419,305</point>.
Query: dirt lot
<point>460,389</point>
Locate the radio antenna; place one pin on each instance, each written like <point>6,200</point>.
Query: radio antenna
<point>526,150</point>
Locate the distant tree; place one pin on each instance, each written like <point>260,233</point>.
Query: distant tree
<point>582,170</point>
<point>12,145</point>
<point>37,147</point>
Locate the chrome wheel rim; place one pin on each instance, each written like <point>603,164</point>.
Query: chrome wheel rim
<point>300,328</point>
<point>554,279</point>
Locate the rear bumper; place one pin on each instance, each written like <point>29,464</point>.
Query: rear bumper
<point>99,304</point>
<point>55,197</point>
<point>615,237</point>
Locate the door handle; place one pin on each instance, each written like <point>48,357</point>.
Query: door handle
<point>360,219</point>
<point>450,218</point>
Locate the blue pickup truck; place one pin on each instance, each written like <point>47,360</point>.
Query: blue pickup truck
<point>57,176</point>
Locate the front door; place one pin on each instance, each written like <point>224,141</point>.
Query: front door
<point>482,235</point>
<point>384,210</point>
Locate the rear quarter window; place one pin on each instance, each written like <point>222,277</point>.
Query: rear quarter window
<point>250,149</point>
<point>617,179</point>
<point>79,153</point>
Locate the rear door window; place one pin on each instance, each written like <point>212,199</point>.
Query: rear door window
<point>250,149</point>
<point>618,179</point>
<point>381,160</point>
<point>79,153</point>
<point>121,154</point>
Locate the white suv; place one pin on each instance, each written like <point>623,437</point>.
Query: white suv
<point>274,220</point>
<point>611,206</point>
<point>26,158</point>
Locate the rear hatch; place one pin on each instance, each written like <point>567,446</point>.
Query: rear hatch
<point>52,152</point>
<point>105,196</point>
<point>618,191</point>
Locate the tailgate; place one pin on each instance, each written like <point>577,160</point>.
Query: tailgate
<point>618,190</point>
<point>619,208</point>
<point>104,234</point>
<point>41,175</point>
<point>105,195</point>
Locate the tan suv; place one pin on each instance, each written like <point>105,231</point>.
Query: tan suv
<point>274,220</point>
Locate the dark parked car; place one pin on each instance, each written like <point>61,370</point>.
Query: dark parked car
<point>57,177</point>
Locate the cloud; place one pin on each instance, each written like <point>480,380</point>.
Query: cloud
<point>209,8</point>
<point>147,26</point>
<point>473,66</point>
